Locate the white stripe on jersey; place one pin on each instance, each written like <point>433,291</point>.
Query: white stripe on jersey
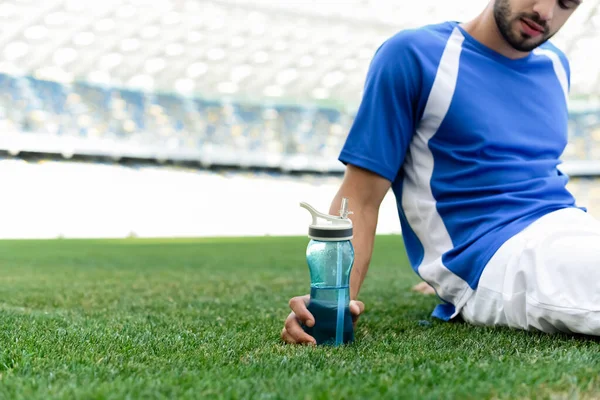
<point>417,197</point>
<point>559,69</point>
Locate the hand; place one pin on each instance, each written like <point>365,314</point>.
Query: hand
<point>292,331</point>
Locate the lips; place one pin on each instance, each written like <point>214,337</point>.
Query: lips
<point>532,25</point>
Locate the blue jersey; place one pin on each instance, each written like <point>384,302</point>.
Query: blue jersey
<point>470,140</point>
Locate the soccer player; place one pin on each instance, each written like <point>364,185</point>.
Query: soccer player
<point>466,123</point>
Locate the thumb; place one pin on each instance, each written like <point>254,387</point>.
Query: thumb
<point>356,307</point>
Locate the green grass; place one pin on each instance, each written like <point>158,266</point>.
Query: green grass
<point>202,318</point>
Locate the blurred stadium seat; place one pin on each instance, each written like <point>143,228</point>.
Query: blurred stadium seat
<point>167,126</point>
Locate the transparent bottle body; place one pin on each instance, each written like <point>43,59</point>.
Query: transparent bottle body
<point>330,264</point>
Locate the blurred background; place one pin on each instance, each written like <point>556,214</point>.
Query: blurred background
<point>157,118</point>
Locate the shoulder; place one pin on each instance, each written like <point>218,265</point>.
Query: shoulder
<point>410,58</point>
<point>417,43</point>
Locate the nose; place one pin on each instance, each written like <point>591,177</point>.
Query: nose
<point>545,9</point>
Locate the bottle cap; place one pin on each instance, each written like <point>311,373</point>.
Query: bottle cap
<point>331,228</point>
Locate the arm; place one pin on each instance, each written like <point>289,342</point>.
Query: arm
<point>373,154</point>
<point>365,192</point>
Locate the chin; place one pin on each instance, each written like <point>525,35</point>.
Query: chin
<point>532,45</point>
<point>526,44</point>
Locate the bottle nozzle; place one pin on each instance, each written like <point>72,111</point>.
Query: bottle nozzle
<point>314,213</point>
<point>344,210</point>
<point>334,225</point>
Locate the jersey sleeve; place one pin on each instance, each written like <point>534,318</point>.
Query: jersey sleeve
<point>385,121</point>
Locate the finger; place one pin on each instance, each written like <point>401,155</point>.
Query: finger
<point>295,332</point>
<point>285,336</point>
<point>356,307</point>
<point>298,305</point>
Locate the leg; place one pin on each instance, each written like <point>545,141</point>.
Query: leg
<point>423,288</point>
<point>545,278</point>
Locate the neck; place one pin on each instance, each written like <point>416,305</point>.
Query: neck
<point>485,30</point>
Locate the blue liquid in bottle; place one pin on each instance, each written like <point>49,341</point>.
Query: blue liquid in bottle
<point>324,308</point>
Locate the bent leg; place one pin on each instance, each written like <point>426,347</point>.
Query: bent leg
<point>545,278</point>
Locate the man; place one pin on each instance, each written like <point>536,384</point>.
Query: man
<point>466,123</point>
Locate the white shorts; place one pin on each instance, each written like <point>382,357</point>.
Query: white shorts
<point>545,278</point>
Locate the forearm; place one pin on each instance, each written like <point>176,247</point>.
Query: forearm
<point>364,220</point>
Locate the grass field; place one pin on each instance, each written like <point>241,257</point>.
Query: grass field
<point>202,318</point>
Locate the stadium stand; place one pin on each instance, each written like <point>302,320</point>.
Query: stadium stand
<point>266,87</point>
<point>118,200</point>
<point>165,125</point>
<point>156,125</point>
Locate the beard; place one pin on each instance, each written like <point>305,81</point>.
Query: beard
<point>516,39</point>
